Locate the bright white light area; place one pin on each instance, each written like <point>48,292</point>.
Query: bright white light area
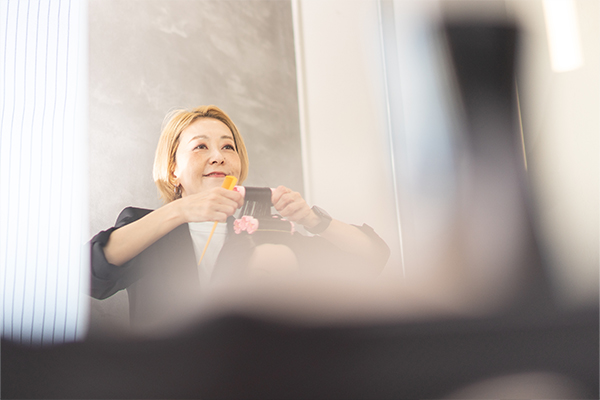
<point>43,176</point>
<point>563,35</point>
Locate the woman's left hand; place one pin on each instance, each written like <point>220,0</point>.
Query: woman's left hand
<point>292,206</point>
<point>346,237</point>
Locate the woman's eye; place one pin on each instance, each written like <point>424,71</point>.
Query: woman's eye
<point>229,147</point>
<point>200,146</point>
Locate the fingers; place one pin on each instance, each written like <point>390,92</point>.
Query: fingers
<point>232,195</point>
<point>277,193</point>
<point>219,212</point>
<point>225,201</point>
<point>219,217</point>
<point>290,204</point>
<point>296,211</point>
<point>283,196</point>
<point>213,205</point>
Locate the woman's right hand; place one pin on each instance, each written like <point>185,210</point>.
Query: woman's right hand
<point>215,204</point>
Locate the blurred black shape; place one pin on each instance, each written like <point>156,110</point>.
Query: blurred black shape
<point>241,357</point>
<point>484,60</point>
<point>484,64</point>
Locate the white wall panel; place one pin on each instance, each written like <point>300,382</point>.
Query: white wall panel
<point>344,114</point>
<point>43,173</point>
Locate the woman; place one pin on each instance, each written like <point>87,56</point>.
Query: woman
<point>155,254</point>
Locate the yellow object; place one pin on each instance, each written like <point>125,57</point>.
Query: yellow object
<point>229,184</point>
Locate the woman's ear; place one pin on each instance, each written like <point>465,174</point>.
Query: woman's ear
<point>173,178</point>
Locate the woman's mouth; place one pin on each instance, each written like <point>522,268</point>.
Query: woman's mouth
<point>215,175</point>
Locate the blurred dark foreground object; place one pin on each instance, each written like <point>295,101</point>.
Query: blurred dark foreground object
<point>241,357</point>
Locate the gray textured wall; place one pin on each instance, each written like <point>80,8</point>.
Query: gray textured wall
<point>148,57</point>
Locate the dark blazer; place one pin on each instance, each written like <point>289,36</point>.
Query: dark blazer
<point>164,277</point>
<point>155,279</point>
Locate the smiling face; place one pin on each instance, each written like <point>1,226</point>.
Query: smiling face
<point>205,155</point>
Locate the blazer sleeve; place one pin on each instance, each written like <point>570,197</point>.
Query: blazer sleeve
<point>107,278</point>
<point>318,253</point>
<point>383,250</point>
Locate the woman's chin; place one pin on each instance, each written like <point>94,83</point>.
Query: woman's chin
<point>209,183</point>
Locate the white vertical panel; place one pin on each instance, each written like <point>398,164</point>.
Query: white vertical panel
<point>344,115</point>
<point>43,173</point>
<point>304,138</point>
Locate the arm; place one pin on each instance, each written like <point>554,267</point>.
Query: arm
<point>354,240</point>
<point>362,242</point>
<point>130,240</point>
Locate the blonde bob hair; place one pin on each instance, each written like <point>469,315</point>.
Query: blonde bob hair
<point>175,122</point>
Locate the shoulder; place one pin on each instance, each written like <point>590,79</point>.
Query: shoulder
<point>131,214</point>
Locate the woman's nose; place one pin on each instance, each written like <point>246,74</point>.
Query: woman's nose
<point>216,157</point>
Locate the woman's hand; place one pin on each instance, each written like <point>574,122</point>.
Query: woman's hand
<point>215,204</point>
<point>292,206</point>
<point>346,237</point>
